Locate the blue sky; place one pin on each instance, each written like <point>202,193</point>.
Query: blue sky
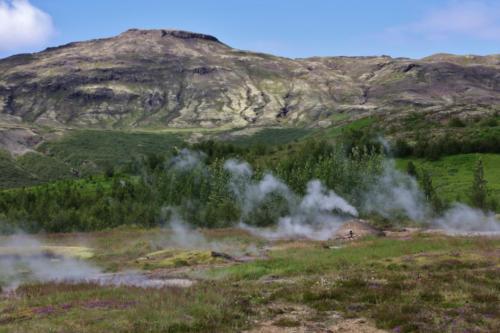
<point>292,28</point>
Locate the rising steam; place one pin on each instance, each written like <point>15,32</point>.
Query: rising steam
<point>24,259</point>
<point>464,219</point>
<point>34,264</point>
<point>249,193</point>
<point>318,216</point>
<point>395,194</point>
<point>315,216</point>
<point>185,236</point>
<point>187,160</point>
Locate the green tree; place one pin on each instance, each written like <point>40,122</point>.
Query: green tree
<point>479,191</point>
<point>430,191</point>
<point>411,169</point>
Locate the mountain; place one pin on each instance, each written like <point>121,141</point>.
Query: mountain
<point>169,78</point>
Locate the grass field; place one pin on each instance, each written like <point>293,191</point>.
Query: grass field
<point>452,175</point>
<point>416,283</point>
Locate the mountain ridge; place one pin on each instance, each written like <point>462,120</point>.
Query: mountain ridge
<point>173,78</point>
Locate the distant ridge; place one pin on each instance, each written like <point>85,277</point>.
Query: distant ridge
<point>172,78</point>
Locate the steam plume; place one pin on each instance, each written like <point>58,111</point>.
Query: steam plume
<point>464,219</point>
<point>40,267</point>
<point>185,236</point>
<point>315,216</point>
<point>27,261</point>
<point>251,194</point>
<point>187,160</point>
<point>395,194</point>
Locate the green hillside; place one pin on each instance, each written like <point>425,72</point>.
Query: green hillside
<point>452,175</point>
<point>91,151</point>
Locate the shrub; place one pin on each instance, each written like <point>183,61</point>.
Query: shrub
<point>456,122</point>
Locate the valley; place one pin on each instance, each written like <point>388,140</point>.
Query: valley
<point>163,181</point>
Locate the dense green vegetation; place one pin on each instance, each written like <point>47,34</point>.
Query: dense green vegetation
<point>44,167</point>
<point>474,141</point>
<point>131,187</point>
<point>93,151</point>
<point>82,153</point>
<point>421,138</point>
<point>132,177</point>
<point>198,185</point>
<point>12,175</point>
<point>91,180</point>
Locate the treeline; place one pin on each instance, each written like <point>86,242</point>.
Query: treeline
<point>199,187</point>
<point>479,136</point>
<point>196,183</point>
<point>433,149</point>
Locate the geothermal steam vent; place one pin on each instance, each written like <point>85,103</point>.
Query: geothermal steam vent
<point>357,228</point>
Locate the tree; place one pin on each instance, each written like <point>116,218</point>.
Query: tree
<point>456,122</point>
<point>430,192</point>
<point>479,191</point>
<point>402,148</point>
<point>411,169</point>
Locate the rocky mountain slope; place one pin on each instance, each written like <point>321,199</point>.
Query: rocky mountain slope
<point>167,78</point>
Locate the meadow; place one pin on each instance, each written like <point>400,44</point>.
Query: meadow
<point>401,283</point>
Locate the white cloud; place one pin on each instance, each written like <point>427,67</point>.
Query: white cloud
<point>458,19</point>
<point>22,24</point>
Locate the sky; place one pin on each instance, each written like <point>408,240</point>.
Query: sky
<point>291,28</point>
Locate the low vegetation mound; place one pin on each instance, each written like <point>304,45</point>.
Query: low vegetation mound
<point>357,228</point>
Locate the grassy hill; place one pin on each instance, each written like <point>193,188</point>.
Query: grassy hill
<point>86,152</point>
<point>452,175</point>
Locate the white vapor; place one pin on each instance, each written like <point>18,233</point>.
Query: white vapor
<point>395,194</point>
<point>187,160</point>
<point>22,24</point>
<point>40,267</point>
<point>28,261</point>
<point>185,236</point>
<point>251,194</point>
<point>320,199</point>
<point>463,219</point>
<point>315,216</point>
